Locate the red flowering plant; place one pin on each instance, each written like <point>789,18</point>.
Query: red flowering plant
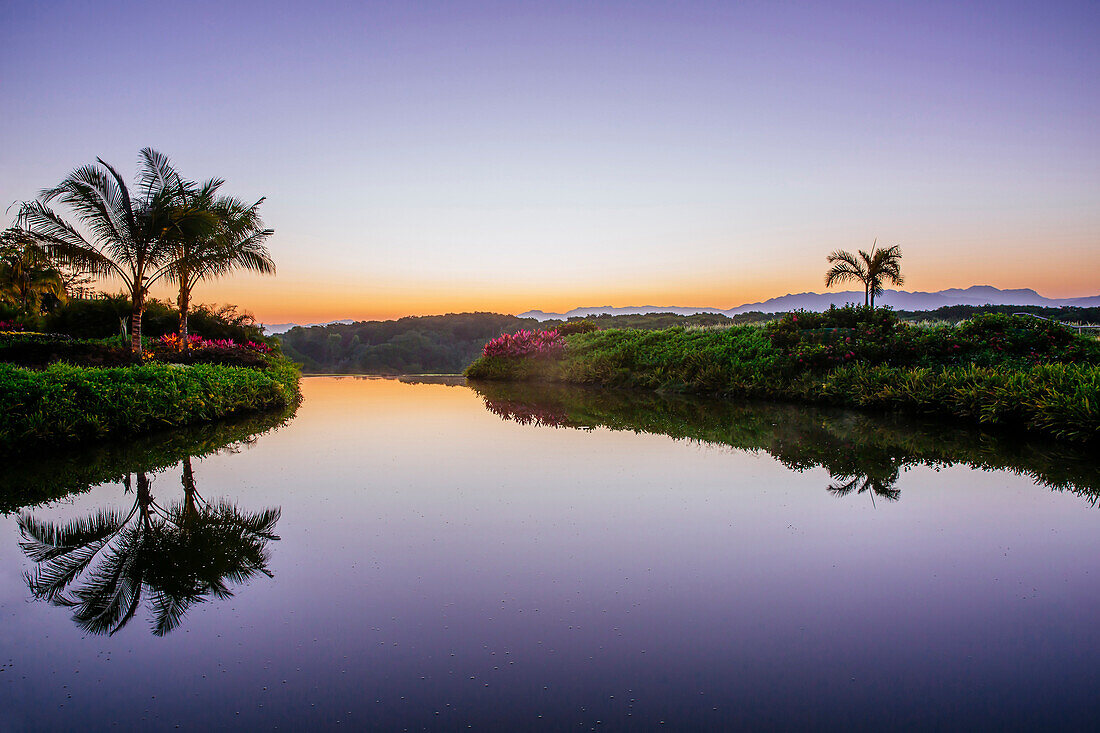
<point>172,341</point>
<point>545,344</point>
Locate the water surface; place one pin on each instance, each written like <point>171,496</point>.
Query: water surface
<point>406,555</point>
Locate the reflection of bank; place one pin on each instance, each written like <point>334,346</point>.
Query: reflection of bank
<point>103,565</point>
<point>33,478</point>
<point>864,453</point>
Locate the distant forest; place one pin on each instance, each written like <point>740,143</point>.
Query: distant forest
<point>447,344</point>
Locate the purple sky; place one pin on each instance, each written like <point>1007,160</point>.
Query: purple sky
<point>431,157</point>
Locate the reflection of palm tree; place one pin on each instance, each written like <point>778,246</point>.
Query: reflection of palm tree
<point>179,555</point>
<point>875,485</point>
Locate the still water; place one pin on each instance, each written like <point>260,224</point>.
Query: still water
<point>436,556</point>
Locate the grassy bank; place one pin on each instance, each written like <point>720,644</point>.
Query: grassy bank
<point>998,370</point>
<point>63,403</point>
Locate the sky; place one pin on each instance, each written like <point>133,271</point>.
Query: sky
<point>421,158</point>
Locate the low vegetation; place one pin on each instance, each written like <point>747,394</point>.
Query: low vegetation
<point>447,344</point>
<point>413,345</point>
<point>64,403</point>
<point>1010,371</point>
<point>59,389</point>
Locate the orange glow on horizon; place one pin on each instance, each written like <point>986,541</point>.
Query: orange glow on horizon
<point>300,300</point>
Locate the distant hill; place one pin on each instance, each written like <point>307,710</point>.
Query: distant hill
<point>897,299</point>
<point>410,345</point>
<point>275,328</point>
<point>447,344</point>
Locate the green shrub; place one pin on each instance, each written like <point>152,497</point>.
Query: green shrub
<point>67,403</point>
<point>577,326</point>
<point>993,370</point>
<point>103,317</point>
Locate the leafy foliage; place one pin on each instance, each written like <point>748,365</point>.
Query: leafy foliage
<point>870,268</point>
<point>102,317</point>
<point>1003,370</point>
<point>412,345</point>
<point>64,403</point>
<point>543,344</point>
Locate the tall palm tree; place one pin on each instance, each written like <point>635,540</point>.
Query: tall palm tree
<point>870,268</point>
<point>237,242</point>
<point>129,235</point>
<point>27,275</point>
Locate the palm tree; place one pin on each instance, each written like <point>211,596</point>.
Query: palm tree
<point>870,268</point>
<point>27,275</point>
<point>131,237</point>
<point>237,242</point>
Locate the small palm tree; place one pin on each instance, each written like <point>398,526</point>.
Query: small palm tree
<point>130,235</point>
<point>237,242</point>
<point>870,268</point>
<point>27,276</point>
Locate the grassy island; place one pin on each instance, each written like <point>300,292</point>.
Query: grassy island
<point>55,389</point>
<point>1012,371</point>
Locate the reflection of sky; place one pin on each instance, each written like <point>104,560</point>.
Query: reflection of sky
<point>422,158</point>
<point>436,558</point>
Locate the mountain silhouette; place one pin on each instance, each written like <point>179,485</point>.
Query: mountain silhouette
<point>897,299</point>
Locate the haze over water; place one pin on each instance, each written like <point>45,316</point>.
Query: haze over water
<point>439,564</point>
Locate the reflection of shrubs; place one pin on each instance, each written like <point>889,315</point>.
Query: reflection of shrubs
<point>526,343</point>
<point>861,452</point>
<point>526,413</point>
<point>578,326</point>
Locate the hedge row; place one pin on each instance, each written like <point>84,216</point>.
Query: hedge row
<point>64,403</point>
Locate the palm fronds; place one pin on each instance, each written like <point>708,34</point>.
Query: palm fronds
<point>870,268</point>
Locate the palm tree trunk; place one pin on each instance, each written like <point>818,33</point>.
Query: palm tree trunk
<point>866,294</point>
<point>183,302</point>
<point>135,323</point>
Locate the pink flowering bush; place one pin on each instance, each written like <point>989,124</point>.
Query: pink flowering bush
<point>526,343</point>
<point>172,341</point>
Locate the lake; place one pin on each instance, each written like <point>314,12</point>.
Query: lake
<point>427,555</point>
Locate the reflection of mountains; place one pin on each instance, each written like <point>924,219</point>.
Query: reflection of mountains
<point>863,453</point>
<point>177,555</point>
<point>39,477</point>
